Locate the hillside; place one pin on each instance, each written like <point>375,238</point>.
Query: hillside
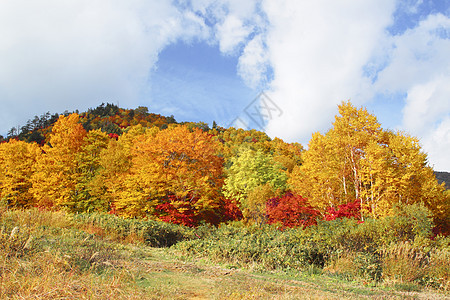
<point>109,118</point>
<point>443,177</point>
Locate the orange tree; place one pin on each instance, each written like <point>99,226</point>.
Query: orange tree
<point>173,172</point>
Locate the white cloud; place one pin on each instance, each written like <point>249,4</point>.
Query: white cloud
<point>317,50</point>
<point>57,55</point>
<point>322,53</point>
<point>232,21</point>
<point>253,62</point>
<point>426,104</point>
<point>231,33</point>
<point>437,145</point>
<point>419,66</point>
<point>416,56</point>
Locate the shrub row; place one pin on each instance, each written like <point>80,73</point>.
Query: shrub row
<point>377,249</point>
<point>152,233</point>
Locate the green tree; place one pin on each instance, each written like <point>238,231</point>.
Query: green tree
<point>251,170</point>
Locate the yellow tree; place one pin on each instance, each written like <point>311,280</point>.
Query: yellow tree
<point>115,164</point>
<point>287,154</point>
<point>89,190</point>
<point>17,159</point>
<point>56,170</point>
<point>331,171</point>
<point>356,159</point>
<point>396,171</point>
<point>322,176</point>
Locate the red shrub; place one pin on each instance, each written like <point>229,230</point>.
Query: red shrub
<point>114,136</point>
<point>291,210</point>
<point>183,214</point>
<point>229,211</point>
<point>350,210</point>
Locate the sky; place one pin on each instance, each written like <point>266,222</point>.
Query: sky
<point>279,66</point>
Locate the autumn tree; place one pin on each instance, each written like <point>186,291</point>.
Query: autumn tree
<point>291,211</point>
<point>115,164</point>
<point>288,155</point>
<point>175,166</point>
<point>56,171</point>
<point>17,159</point>
<point>233,139</point>
<point>250,170</point>
<point>357,159</point>
<point>90,190</point>
<point>255,209</point>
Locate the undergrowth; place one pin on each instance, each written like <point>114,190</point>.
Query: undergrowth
<point>47,254</point>
<point>386,251</point>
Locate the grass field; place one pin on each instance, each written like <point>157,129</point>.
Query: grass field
<point>50,255</point>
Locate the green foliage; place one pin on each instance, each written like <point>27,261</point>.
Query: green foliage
<point>409,221</point>
<point>367,251</point>
<point>259,247</point>
<point>152,233</point>
<point>249,170</point>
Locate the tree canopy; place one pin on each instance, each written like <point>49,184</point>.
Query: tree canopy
<point>136,164</point>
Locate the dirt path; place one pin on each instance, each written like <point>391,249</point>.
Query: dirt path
<point>166,277</point>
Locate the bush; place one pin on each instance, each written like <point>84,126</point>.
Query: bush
<point>371,251</point>
<point>350,210</point>
<point>152,233</point>
<point>407,262</point>
<point>257,247</point>
<point>406,222</point>
<point>291,211</point>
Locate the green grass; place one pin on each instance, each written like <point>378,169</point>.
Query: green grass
<point>56,256</point>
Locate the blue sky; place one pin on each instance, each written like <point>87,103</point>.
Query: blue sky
<point>197,83</point>
<point>205,60</point>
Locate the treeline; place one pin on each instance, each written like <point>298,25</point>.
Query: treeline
<point>140,165</point>
<point>108,117</point>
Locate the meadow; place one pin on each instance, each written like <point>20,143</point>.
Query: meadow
<point>55,255</point>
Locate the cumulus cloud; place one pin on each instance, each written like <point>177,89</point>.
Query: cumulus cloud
<point>437,144</point>
<point>231,33</point>
<point>232,21</point>
<point>254,62</point>
<point>419,66</point>
<point>322,53</point>
<point>75,54</point>
<point>317,51</point>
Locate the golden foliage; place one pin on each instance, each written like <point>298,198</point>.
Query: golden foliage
<point>357,159</point>
<point>173,161</point>
<point>16,161</point>
<point>55,172</point>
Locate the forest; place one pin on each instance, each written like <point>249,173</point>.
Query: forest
<point>360,203</point>
<point>136,164</point>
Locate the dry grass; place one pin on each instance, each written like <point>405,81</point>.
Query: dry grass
<point>405,263</point>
